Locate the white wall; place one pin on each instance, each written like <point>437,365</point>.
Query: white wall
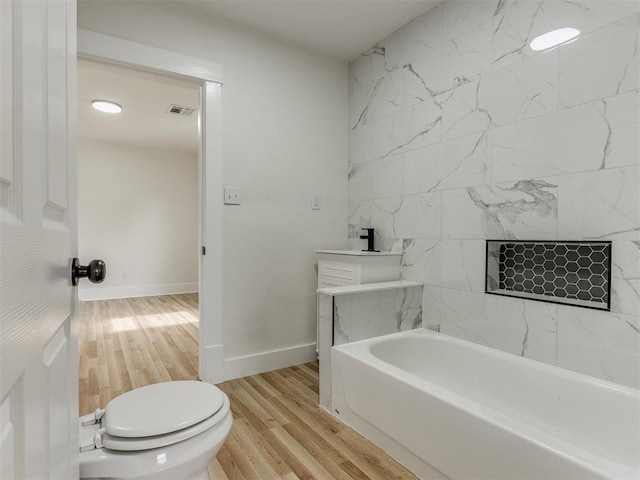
<point>461,133</point>
<point>284,116</point>
<point>138,211</point>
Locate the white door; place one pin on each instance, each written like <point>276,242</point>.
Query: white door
<point>38,324</point>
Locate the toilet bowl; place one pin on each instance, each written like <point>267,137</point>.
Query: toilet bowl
<point>169,430</point>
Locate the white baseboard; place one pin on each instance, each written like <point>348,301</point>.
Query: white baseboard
<point>266,361</point>
<point>211,364</point>
<point>108,293</point>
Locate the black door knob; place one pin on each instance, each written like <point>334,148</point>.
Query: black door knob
<point>96,271</point>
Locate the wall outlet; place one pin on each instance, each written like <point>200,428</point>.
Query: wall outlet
<point>125,275</point>
<point>232,195</point>
<point>315,201</point>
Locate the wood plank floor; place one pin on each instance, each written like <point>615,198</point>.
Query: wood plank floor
<point>132,342</point>
<point>279,432</point>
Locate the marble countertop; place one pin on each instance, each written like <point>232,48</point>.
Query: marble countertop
<point>368,287</point>
<point>360,253</point>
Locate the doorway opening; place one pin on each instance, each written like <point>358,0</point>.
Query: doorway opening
<point>138,210</point>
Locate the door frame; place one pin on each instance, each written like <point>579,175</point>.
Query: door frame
<point>107,49</point>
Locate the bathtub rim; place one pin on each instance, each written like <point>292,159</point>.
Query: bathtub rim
<point>366,344</point>
<point>360,351</point>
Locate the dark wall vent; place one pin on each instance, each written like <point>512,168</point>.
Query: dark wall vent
<point>180,110</point>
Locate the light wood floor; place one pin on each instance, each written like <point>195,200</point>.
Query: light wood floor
<point>279,432</point>
<point>132,342</point>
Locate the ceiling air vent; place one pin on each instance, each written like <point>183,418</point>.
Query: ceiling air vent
<point>180,110</point>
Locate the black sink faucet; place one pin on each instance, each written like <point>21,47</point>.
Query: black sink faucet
<point>369,236</point>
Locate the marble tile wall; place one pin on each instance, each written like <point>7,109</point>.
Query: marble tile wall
<point>366,315</point>
<point>357,316</point>
<point>459,133</point>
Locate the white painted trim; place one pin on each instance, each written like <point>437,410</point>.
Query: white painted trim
<point>210,159</point>
<point>104,48</point>
<point>238,367</point>
<point>93,45</point>
<point>214,358</point>
<point>108,293</point>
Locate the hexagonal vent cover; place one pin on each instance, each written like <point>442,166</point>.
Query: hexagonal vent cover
<point>575,273</point>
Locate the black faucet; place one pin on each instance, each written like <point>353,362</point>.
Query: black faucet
<point>369,236</point>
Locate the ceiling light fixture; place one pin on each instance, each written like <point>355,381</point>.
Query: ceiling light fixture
<point>553,38</point>
<point>106,106</point>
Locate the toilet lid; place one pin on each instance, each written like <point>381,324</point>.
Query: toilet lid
<point>161,408</point>
<point>147,443</point>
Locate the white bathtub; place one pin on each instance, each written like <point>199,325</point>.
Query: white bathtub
<point>447,408</point>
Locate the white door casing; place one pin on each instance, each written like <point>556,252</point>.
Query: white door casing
<point>105,48</point>
<point>38,321</point>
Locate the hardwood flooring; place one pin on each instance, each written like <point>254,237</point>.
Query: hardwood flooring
<point>279,432</point>
<point>132,342</point>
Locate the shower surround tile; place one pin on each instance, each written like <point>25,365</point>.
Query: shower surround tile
<point>431,303</point>
<point>419,216</point>
<point>422,125</point>
<point>376,179</point>
<point>325,331</point>
<point>360,145</point>
<point>460,18</point>
<point>419,256</point>
<point>378,214</point>
<point>597,135</point>
<point>601,64</point>
<point>422,35</point>
<point>455,264</point>
<point>366,315</point>
<point>517,22</point>
<point>513,325</point>
<point>605,345</point>
<point>524,90</point>
<point>387,136</point>
<point>599,205</point>
<point>439,71</point>
<point>464,55</point>
<point>620,114</point>
<point>625,278</point>
<point>500,142</point>
<point>387,97</point>
<point>524,209</point>
<point>463,162</point>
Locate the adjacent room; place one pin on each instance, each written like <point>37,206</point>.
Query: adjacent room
<point>138,211</point>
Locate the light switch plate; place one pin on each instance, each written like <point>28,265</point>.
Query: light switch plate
<point>232,195</point>
<point>315,201</point>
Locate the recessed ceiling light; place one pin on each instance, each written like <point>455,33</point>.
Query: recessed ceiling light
<point>106,106</point>
<point>553,38</point>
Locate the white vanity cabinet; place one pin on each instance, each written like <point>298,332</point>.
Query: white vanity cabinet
<point>339,268</point>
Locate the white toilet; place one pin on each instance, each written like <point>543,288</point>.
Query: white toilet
<point>169,430</point>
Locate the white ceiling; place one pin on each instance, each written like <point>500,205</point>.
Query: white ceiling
<point>342,29</point>
<point>144,98</point>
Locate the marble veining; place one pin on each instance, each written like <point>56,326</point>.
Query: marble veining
<point>599,344</point>
<point>625,283</point>
<point>419,216</point>
<point>340,321</point>
<point>516,326</point>
<point>614,49</point>
<point>462,162</point>
<point>600,205</point>
<point>459,132</point>
<point>365,315</point>
<point>419,256</point>
<point>527,208</point>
